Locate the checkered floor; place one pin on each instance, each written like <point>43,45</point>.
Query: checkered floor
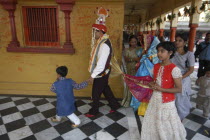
<point>197,126</point>
<point>28,118</point>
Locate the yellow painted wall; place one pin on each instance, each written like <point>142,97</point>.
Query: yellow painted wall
<point>33,73</point>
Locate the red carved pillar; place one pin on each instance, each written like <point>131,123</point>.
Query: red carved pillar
<point>66,7</point>
<point>192,36</point>
<point>161,32</point>
<point>172,34</point>
<point>10,6</point>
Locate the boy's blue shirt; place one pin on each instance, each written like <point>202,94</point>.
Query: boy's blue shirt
<point>65,96</point>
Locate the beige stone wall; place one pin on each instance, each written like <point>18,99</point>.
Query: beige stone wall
<point>164,6</point>
<point>33,73</point>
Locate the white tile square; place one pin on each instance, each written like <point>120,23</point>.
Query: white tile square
<point>200,137</point>
<point>124,136</point>
<point>104,109</point>
<point>47,134</point>
<point>12,117</point>
<point>84,109</point>
<point>25,106</point>
<point>3,97</point>
<point>103,135</point>
<point>45,107</point>
<point>34,99</point>
<point>17,98</point>
<point>75,134</point>
<point>103,121</point>
<point>134,133</point>
<point>34,118</point>
<point>20,133</point>
<point>51,99</point>
<point>84,119</point>
<point>7,105</point>
<point>132,122</point>
<point>2,130</point>
<point>207,124</point>
<point>191,124</point>
<point>123,122</point>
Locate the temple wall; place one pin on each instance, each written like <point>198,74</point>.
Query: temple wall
<point>33,73</point>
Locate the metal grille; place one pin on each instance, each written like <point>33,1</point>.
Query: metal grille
<point>40,26</point>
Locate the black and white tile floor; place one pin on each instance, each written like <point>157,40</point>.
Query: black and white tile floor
<point>28,118</point>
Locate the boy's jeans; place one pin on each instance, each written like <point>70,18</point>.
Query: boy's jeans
<point>72,117</point>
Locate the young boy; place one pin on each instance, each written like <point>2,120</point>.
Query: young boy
<point>203,99</point>
<point>63,88</point>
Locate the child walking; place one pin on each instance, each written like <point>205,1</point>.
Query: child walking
<point>161,121</point>
<point>203,98</point>
<point>63,88</point>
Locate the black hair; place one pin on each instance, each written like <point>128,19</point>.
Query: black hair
<point>131,37</point>
<point>185,38</point>
<point>103,32</point>
<point>169,46</point>
<point>207,34</point>
<point>62,70</point>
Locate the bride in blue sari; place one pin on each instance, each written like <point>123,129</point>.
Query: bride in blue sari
<point>146,63</point>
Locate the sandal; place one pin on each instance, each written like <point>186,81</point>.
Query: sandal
<point>74,126</point>
<point>53,119</point>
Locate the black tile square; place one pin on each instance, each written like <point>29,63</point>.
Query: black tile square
<point>79,103</point>
<point>58,138</point>
<point>39,126</point>
<point>115,116</point>
<point>54,103</point>
<point>190,134</point>
<point>115,129</point>
<point>96,116</point>
<point>40,102</point>
<point>64,127</point>
<point>196,118</point>
<point>22,101</point>
<point>32,137</point>
<point>77,113</point>
<point>4,137</point>
<point>100,104</point>
<point>15,125</point>
<point>49,113</point>
<point>29,112</point>
<point>194,88</point>
<point>87,139</point>
<point>1,122</point>
<point>192,99</point>
<point>5,100</point>
<point>90,128</point>
<point>9,111</point>
<point>204,131</point>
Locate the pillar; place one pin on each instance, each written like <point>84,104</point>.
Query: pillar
<point>162,26</point>
<point>154,27</point>
<point>173,25</point>
<point>10,6</point>
<point>66,7</point>
<point>194,20</point>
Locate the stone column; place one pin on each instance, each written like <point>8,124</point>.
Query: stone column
<point>154,27</point>
<point>194,20</point>
<point>66,7</point>
<point>173,25</point>
<point>162,26</point>
<point>10,6</point>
